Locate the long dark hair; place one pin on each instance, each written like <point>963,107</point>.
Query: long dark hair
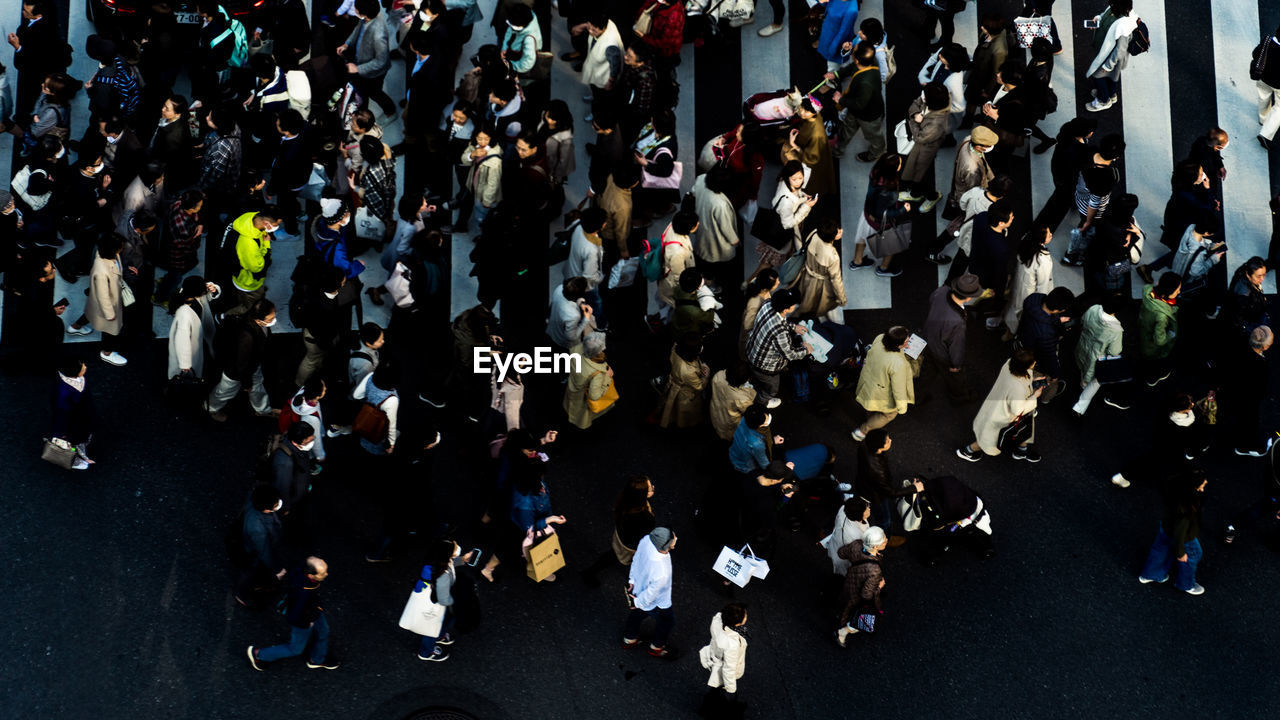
<point>1032,244</point>
<point>634,498</point>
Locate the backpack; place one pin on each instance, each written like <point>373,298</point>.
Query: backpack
<point>226,250</point>
<point>1140,40</point>
<point>235,30</point>
<point>306,275</point>
<point>651,263</point>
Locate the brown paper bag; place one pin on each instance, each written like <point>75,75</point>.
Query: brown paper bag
<point>545,557</point>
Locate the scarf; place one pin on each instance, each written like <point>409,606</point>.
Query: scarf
<point>75,382</point>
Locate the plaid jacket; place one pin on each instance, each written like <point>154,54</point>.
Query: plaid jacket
<point>221,168</point>
<point>184,244</point>
<point>379,184</point>
<point>769,345</point>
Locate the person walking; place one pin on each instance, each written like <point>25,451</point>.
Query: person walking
<point>1158,327</point>
<point>73,416</point>
<point>441,573</point>
<point>368,55</point>
<point>241,347</point>
<point>1101,337</point>
<point>307,621</point>
<point>861,103</point>
<point>852,522</point>
<point>260,565</point>
<point>1178,539</point>
<point>1247,378</point>
<point>725,656</point>
<point>886,387</point>
<point>105,304</point>
<point>944,331</point>
<point>1032,274</point>
<point>821,283</point>
<point>731,395</point>
<point>1012,398</point>
<point>587,387</point>
<point>860,598</point>
<point>1113,28</point>
<point>1265,70</point>
<point>192,326</point>
<point>772,344</point>
<point>649,593</point>
<point>633,519</point>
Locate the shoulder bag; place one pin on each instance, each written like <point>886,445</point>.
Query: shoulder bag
<point>644,23</point>
<point>767,227</point>
<point>371,422</point>
<point>58,452</point>
<point>891,240</point>
<point>789,273</point>
<point>1112,370</point>
<point>670,182</point>
<point>606,400</point>
<point>1016,432</point>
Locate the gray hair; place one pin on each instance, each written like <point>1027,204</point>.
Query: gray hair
<point>593,344</point>
<point>1260,337</point>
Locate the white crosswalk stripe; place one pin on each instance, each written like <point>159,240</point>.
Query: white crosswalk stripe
<point>1247,227</point>
<point>1148,136</point>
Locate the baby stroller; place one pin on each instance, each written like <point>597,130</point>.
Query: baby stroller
<point>774,110</point>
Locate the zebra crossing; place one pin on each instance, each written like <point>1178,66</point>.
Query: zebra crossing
<point>1144,116</point>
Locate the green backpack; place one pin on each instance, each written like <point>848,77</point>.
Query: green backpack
<point>235,30</point>
<point>651,263</point>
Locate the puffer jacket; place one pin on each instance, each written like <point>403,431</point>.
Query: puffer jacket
<point>725,656</point>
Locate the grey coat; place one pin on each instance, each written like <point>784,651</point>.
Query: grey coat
<point>372,52</point>
<point>944,328</point>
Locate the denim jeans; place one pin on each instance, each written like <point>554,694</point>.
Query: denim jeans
<point>428,644</point>
<point>665,619</point>
<point>1107,87</point>
<point>298,639</point>
<point>1161,555</point>
<point>882,514</point>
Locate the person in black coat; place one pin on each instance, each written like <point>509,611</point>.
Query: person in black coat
<point>428,87</point>
<point>992,249</point>
<point>954,511</point>
<point>290,30</point>
<point>241,345</point>
<point>1071,153</point>
<point>305,615</point>
<point>292,463</point>
<point>1246,377</point>
<point>875,481</point>
<point>261,564</point>
<point>291,168</point>
<point>38,50</point>
<point>1040,329</point>
<point>322,323</point>
<point>1206,151</point>
<point>765,498</point>
<point>73,415</point>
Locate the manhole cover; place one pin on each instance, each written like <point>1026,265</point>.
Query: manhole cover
<point>440,714</point>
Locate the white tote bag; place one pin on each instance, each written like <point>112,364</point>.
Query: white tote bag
<point>905,143</point>
<point>368,225</point>
<point>739,566</point>
<point>421,615</point>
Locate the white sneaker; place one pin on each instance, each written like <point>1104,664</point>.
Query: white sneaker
<point>858,435</point>
<point>993,323</point>
<point>769,30</point>
<point>83,330</point>
<point>114,358</point>
<point>773,403</point>
<point>1196,589</point>
<point>1097,106</point>
<point>1119,480</point>
<point>79,464</point>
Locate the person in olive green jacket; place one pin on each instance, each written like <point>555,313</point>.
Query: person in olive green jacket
<point>1101,335</point>
<point>253,252</point>
<point>588,384</point>
<point>1158,327</point>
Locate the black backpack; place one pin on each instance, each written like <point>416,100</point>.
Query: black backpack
<point>226,251</point>
<point>1140,40</point>
<point>305,277</point>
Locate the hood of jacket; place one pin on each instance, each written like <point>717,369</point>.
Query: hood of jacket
<point>244,225</point>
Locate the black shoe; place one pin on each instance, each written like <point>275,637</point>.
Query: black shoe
<point>1144,271</point>
<point>571,55</point>
<point>938,258</point>
<point>1043,147</point>
<point>891,272</point>
<point>577,66</point>
<point>53,242</point>
<point>1028,453</point>
<point>964,453</point>
<point>864,156</point>
<point>1265,143</point>
<point>859,265</point>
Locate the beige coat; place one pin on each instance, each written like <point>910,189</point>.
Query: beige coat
<point>104,308</point>
<point>725,656</point>
<point>616,202</point>
<point>887,383</point>
<point>1026,282</point>
<point>718,238</point>
<point>675,260</point>
<point>748,322</point>
<point>592,381</point>
<point>821,284</point>
<point>728,403</point>
<point>681,402</point>
<point>186,342</point>
<point>1010,397</point>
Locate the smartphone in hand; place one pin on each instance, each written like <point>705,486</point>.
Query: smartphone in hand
<point>1091,24</point>
<point>475,557</point>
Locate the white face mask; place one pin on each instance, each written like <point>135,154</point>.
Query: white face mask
<point>272,323</point>
<point>271,228</point>
<point>425,17</point>
<point>60,153</point>
<point>96,169</point>
<point>113,139</point>
<point>279,504</point>
<point>345,219</point>
<point>307,446</point>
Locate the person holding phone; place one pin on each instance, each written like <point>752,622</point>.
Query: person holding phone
<point>442,571</point>
<point>1012,397</point>
<point>1112,29</point>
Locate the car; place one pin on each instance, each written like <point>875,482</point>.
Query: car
<point>118,18</point>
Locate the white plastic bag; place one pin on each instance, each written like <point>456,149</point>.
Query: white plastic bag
<point>623,273</point>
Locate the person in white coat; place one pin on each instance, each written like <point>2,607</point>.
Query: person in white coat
<point>649,588</point>
<point>1013,396</point>
<point>726,655</point>
<point>586,257</point>
<point>1032,274</point>
<point>192,326</point>
<point>852,521</point>
<point>1114,27</point>
<point>717,241</point>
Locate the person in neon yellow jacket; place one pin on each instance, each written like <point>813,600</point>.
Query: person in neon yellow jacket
<point>253,252</point>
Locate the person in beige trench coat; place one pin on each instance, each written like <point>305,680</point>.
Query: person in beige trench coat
<point>681,402</point>
<point>592,381</point>
<point>1012,396</point>
<point>104,308</point>
<point>821,285</point>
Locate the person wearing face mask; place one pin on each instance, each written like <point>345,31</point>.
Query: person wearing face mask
<point>73,415</point>
<point>220,167</point>
<point>113,90</point>
<point>34,188</point>
<point>482,189</point>
<point>1180,436</point>
<point>1177,543</point>
<point>192,325</point>
<point>438,577</point>
<point>428,20</point>
<point>104,307</point>
<point>290,168</point>
<point>972,168</point>
<point>322,324</point>
<point>330,233</point>
<point>171,145</point>
<point>260,564</point>
<point>143,194</point>
<point>305,407</point>
<point>292,465</point>
<point>241,347</point>
<point>253,256</point>
<point>89,196</point>
<point>521,40</point>
<point>725,656</point>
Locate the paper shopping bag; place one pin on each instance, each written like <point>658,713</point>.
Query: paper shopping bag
<point>545,557</point>
<point>736,566</point>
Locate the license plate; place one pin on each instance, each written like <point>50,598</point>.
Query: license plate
<point>188,18</point>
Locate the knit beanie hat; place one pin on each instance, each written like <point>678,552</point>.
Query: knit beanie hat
<point>662,538</point>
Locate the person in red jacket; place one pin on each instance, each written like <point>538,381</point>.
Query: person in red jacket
<point>665,32</point>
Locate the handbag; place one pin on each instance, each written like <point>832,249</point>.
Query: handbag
<point>368,225</point>
<point>644,23</point>
<point>371,423</point>
<point>889,241</point>
<point>1112,370</point>
<point>903,138</point>
<point>1030,28</point>
<point>1017,432</point>
<point>623,273</point>
<point>544,557</point>
<point>606,400</point>
<point>620,550</point>
<point>1208,407</point>
<point>422,615</point>
<point>789,273</point>
<point>670,182</point>
<point>865,622</point>
<point>541,69</point>
<point>126,294</point>
<point>58,452</point>
<point>767,227</point>
<point>738,567</point>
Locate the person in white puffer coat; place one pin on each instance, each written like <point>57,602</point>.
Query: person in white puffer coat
<point>726,655</point>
